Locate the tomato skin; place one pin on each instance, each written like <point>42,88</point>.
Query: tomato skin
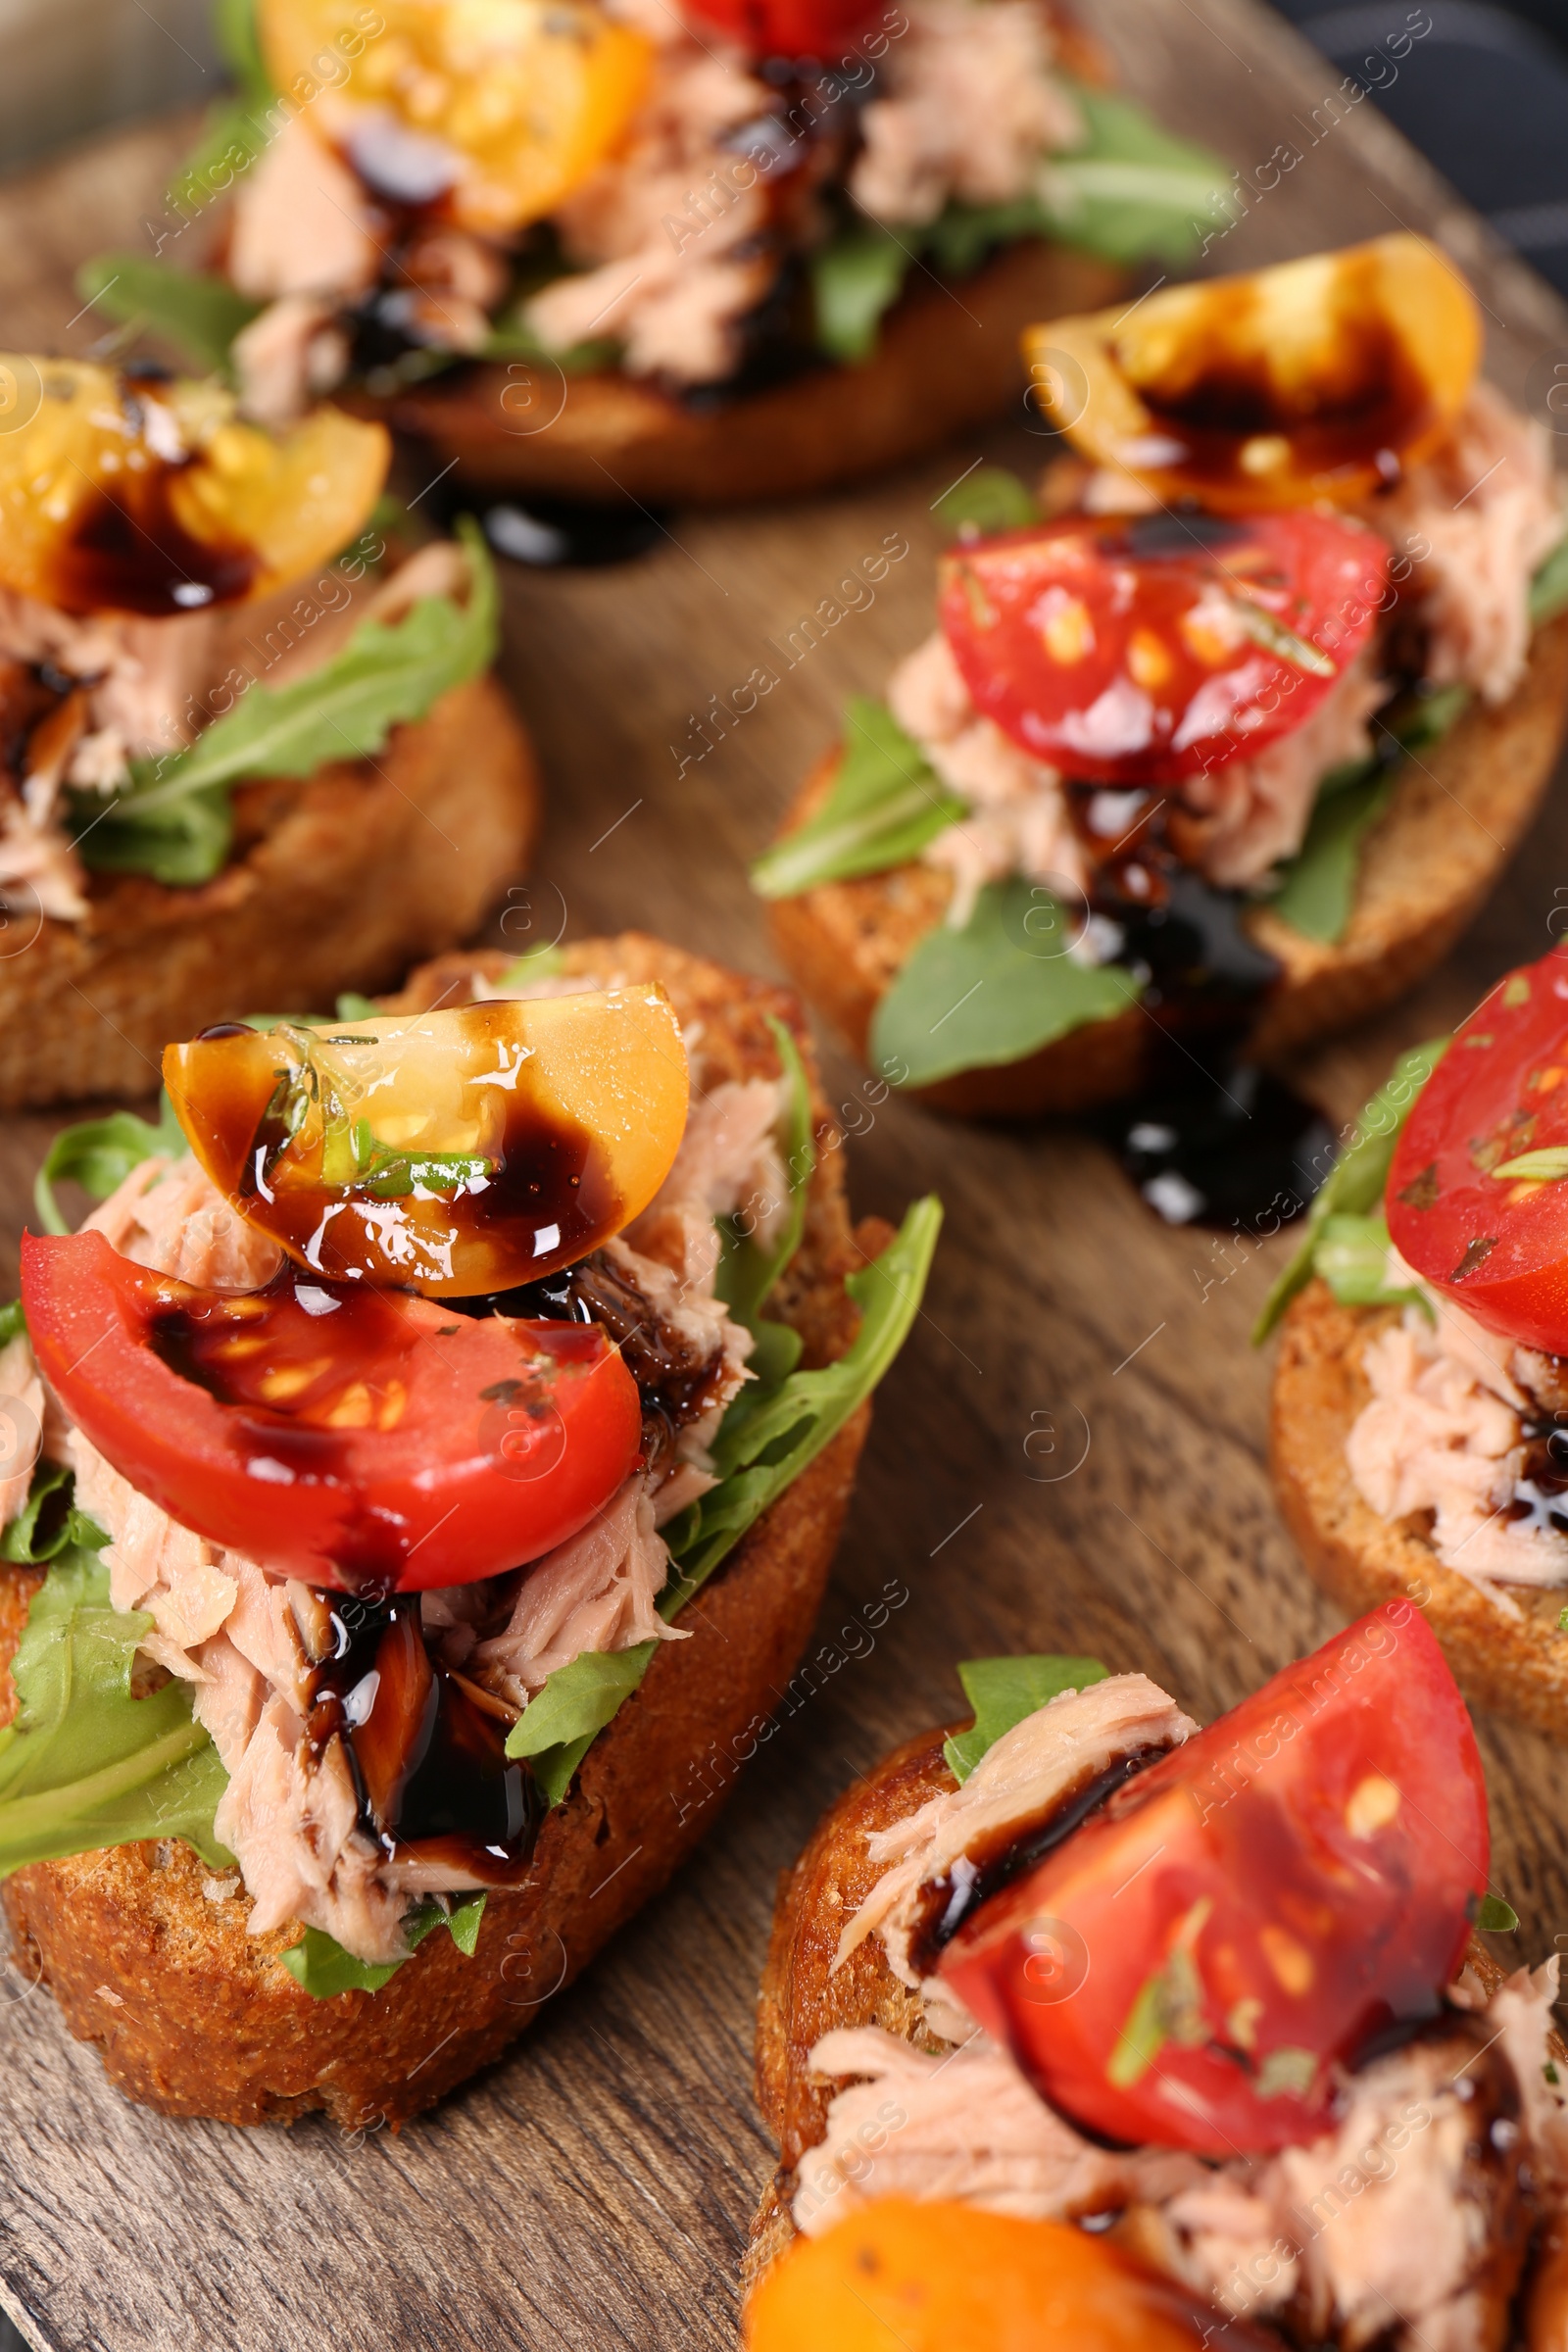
<point>1121,648</point>
<point>1296,1877</point>
<point>459,1482</point>
<point>797,29</point>
<point>1500,1092</point>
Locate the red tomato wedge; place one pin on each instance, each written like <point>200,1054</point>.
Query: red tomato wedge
<point>794,29</point>
<point>1477,1201</point>
<point>1251,1909</point>
<point>1142,649</point>
<point>356,1437</point>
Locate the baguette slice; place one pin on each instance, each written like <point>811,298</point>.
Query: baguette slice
<point>802,1998</point>
<point>340,880</point>
<point>1457,816</point>
<point>206,2020</point>
<point>947,360</point>
<point>1515,1664</point>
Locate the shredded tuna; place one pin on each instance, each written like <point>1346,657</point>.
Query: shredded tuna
<point>1016,821</point>
<point>597,1593</point>
<point>972,112</point>
<point>963,2125</point>
<point>659,232</point>
<point>288,356</point>
<point>1478,519</point>
<point>1442,1434</point>
<point>301,223</point>
<point>169,1216</point>
<point>1018,1782</point>
<point>1256,810</point>
<point>22,1424</point>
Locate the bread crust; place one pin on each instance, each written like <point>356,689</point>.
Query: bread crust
<point>1455,819</point>
<point>340,880</point>
<point>1517,1665</point>
<point>209,2022</point>
<point>947,360</point>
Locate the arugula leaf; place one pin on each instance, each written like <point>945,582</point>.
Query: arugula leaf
<point>968,999</point>
<point>991,498</point>
<point>961,235</point>
<point>770,1435</point>
<point>12,1320</point>
<point>854,278</point>
<point>49,1522</point>
<point>200,314</point>
<point>1548,590</point>
<point>1352,1256</point>
<point>174,822</point>
<point>1003,1692</point>
<point>84,1764</point>
<point>1494,1917</point>
<point>1132,191</point>
<point>100,1153</point>
<point>885,804</point>
<point>1355,1184</point>
<point>238,39</point>
<point>1318,892</point>
<point>560,1724</point>
<point>745,1274</point>
<point>321,1966</point>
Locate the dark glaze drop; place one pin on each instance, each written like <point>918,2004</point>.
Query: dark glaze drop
<point>130,553</point>
<point>429,1764</point>
<point>1207,1138</point>
<point>1368,399</point>
<point>947,1902</point>
<point>1541,1497</point>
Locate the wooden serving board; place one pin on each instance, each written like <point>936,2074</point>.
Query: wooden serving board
<point>1069,1456</point>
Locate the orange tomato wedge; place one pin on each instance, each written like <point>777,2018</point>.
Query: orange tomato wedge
<point>899,2277</point>
<point>525,96</point>
<point>457,1154</point>
<point>154,497</point>
<point>1319,379</point>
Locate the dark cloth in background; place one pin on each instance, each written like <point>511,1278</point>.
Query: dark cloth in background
<point>1484,94</point>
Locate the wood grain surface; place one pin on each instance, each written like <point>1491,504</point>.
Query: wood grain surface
<point>1069,1456</point>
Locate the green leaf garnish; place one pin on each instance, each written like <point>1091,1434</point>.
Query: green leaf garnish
<point>321,1966</point>
<point>174,821</point>
<point>1495,1917</point>
<point>856,276</point>
<point>1548,590</point>
<point>746,1272</point>
<point>1265,629</point>
<point>561,1720</point>
<point>200,315</point>
<point>1351,1257</point>
<point>1546,1167</point>
<point>1355,1184</point>
<point>1168,2008</point>
<point>84,1764</point>
<point>992,498</point>
<point>1132,190</point>
<point>100,1153</point>
<point>885,803</point>
<point>49,1523</point>
<point>1005,1691</point>
<point>969,999</point>
<point>1318,893</point>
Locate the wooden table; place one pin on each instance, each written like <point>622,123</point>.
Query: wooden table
<point>595,2189</point>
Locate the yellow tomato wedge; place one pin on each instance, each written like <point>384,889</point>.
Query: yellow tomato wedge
<point>454,1152</point>
<point>154,498</point>
<point>1319,379</point>
<point>899,2277</point>
<point>526,96</point>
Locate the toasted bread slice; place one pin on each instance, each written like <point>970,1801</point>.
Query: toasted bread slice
<point>1457,816</point>
<point>207,2021</point>
<point>802,1997</point>
<point>1516,1664</point>
<point>340,879</point>
<point>947,360</point>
